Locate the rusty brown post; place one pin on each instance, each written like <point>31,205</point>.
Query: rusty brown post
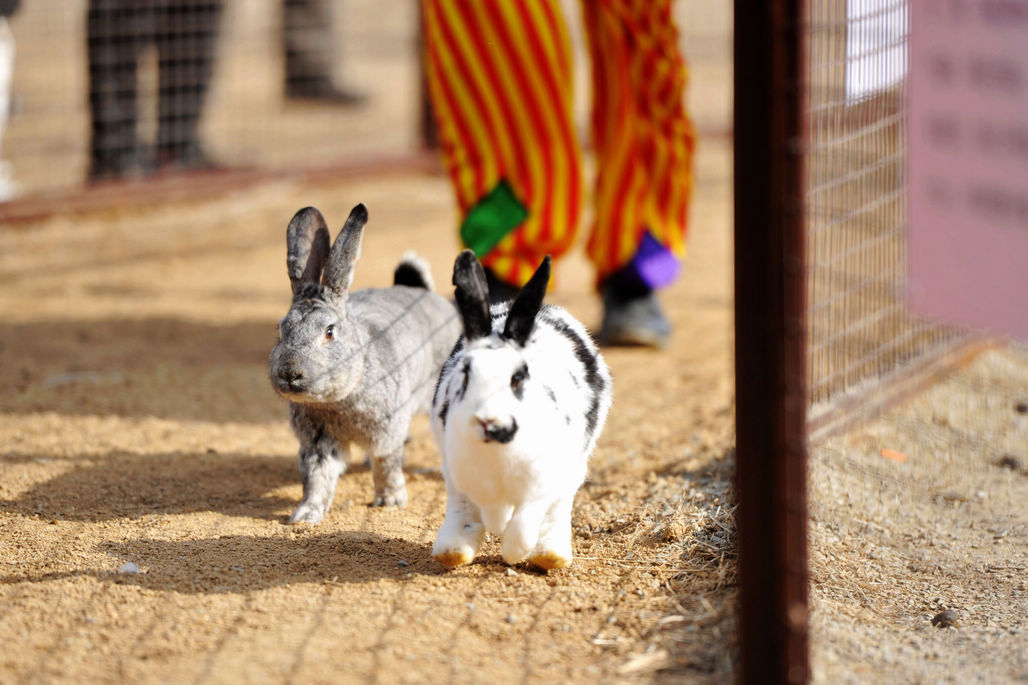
<point>770,286</point>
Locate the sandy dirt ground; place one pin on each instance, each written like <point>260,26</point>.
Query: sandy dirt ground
<point>920,513</point>
<point>138,426</point>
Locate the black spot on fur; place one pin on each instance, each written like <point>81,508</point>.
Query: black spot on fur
<point>448,365</point>
<point>549,393</point>
<point>410,275</point>
<point>466,370</point>
<point>444,411</point>
<point>592,370</point>
<point>452,360</point>
<point>502,434</point>
<point>567,419</point>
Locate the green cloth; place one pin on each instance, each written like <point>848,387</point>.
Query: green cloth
<point>495,215</point>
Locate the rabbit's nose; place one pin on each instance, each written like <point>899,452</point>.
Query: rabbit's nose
<point>292,378</point>
<point>494,431</point>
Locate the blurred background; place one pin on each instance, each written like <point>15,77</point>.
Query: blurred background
<point>255,114</point>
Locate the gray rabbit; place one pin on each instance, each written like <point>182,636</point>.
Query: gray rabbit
<point>357,366</point>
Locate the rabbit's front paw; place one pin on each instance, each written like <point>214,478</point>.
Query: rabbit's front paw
<point>522,534</point>
<point>554,548</point>
<point>452,558</point>
<point>451,552</point>
<point>461,534</point>
<point>516,547</point>
<point>387,475</point>
<point>549,560</point>
<point>308,512</point>
<point>396,498</point>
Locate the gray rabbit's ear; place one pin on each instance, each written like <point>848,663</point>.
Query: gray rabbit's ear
<point>307,241</point>
<point>345,252</point>
<point>521,319</point>
<point>472,295</point>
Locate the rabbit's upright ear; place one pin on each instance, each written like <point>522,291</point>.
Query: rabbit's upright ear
<point>307,241</point>
<point>345,252</point>
<point>521,319</point>
<point>472,295</point>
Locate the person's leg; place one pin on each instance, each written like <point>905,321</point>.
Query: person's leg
<point>8,186</point>
<point>644,143</point>
<point>116,32</point>
<point>308,45</point>
<point>186,34</point>
<point>499,75</point>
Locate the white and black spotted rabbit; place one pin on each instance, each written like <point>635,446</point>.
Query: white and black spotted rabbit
<point>519,406</point>
<point>357,366</point>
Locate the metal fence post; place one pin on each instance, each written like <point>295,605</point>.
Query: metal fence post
<point>770,287</point>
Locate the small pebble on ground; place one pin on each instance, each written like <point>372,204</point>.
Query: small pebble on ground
<point>945,619</point>
<point>1009,461</point>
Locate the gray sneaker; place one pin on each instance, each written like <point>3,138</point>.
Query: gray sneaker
<point>632,320</point>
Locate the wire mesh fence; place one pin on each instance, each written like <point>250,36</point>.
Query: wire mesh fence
<point>112,89</point>
<point>859,328</point>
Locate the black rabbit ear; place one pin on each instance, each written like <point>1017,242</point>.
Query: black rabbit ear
<point>472,296</point>
<point>307,242</point>
<point>521,319</point>
<point>345,252</point>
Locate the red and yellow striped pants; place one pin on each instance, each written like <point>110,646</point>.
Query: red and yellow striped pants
<point>499,75</point>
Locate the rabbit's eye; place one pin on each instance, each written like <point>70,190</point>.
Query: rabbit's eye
<point>330,332</point>
<point>518,378</point>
